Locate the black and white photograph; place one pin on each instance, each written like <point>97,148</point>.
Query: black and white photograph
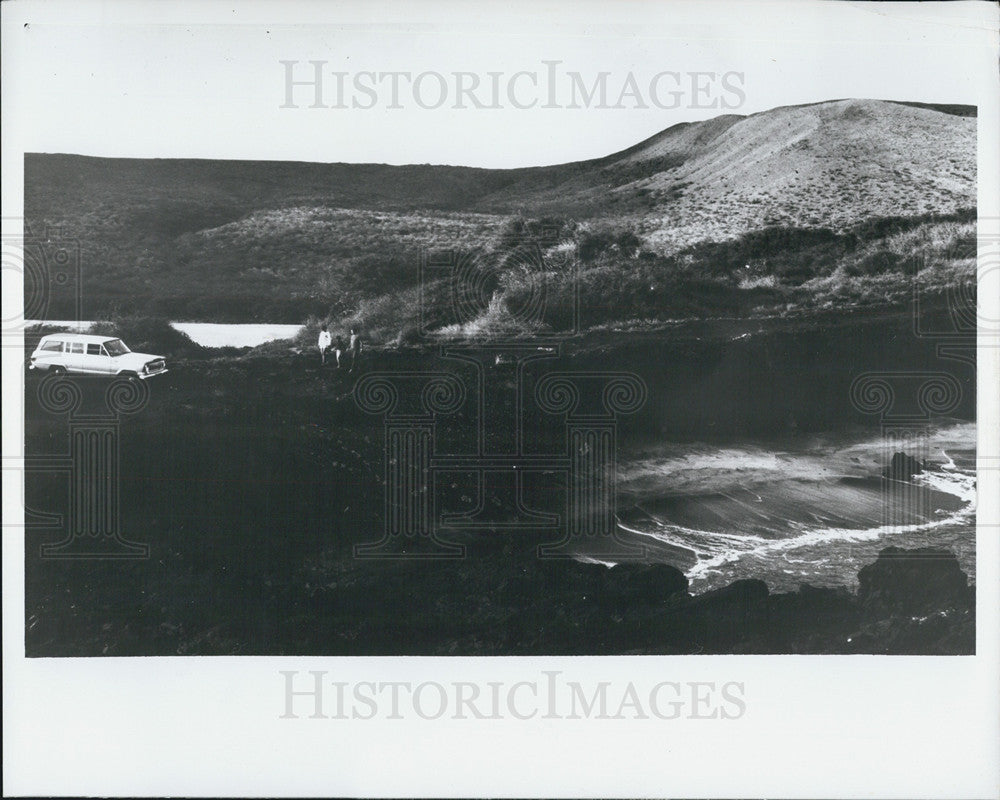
<point>662,338</point>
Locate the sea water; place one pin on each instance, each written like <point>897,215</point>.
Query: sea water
<point>813,510</point>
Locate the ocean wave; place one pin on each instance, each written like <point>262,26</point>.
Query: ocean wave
<point>674,468</point>
<point>820,537</point>
<point>956,482</point>
<point>725,505</point>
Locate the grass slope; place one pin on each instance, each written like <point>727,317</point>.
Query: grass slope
<point>276,241</point>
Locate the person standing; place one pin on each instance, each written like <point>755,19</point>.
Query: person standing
<point>323,344</point>
<point>338,349</point>
<point>354,347</point>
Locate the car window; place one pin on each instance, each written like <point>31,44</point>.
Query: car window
<point>93,350</point>
<point>52,347</point>
<point>116,347</point>
<point>76,347</point>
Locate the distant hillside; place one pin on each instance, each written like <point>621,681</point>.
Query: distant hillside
<point>957,110</point>
<point>829,164</point>
<point>276,240</point>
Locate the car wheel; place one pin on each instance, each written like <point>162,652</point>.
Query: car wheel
<point>57,370</point>
<point>129,376</point>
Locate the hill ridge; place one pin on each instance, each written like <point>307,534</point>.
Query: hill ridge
<point>266,224</point>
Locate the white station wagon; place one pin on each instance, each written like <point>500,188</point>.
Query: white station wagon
<point>94,355</point>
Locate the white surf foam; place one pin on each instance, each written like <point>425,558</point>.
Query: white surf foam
<point>755,546</point>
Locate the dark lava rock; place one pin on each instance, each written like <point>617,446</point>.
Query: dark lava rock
<point>913,582</point>
<point>643,584</point>
<point>903,467</point>
<point>733,618</point>
<point>742,595</point>
<point>812,620</point>
<point>565,580</point>
<point>938,633</point>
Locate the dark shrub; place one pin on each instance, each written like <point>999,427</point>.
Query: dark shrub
<point>797,270</point>
<point>410,335</point>
<point>876,263</point>
<point>628,243</point>
<point>600,241</point>
<point>790,253</point>
<point>149,335</point>
<point>543,233</point>
<point>594,244</point>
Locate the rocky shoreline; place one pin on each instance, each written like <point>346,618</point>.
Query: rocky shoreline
<point>909,601</point>
<point>253,475</point>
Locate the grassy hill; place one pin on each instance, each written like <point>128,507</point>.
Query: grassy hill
<point>277,241</point>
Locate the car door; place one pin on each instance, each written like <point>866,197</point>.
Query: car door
<point>107,362</point>
<point>75,356</point>
<point>97,359</point>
